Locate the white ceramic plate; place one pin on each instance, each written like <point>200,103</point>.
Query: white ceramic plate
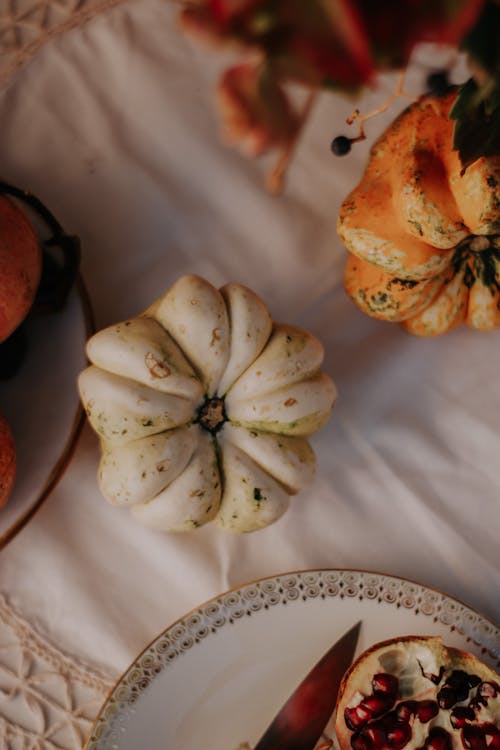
<point>42,406</point>
<point>216,677</point>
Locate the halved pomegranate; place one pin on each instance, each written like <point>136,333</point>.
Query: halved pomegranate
<point>416,693</point>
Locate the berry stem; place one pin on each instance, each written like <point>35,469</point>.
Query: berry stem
<point>275,179</point>
<point>361,119</point>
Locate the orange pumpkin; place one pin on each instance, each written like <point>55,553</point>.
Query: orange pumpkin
<point>423,238</point>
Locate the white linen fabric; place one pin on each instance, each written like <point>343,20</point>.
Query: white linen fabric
<point>113,126</point>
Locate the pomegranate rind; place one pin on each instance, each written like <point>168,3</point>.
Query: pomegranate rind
<point>7,461</point>
<point>407,657</point>
<point>20,267</point>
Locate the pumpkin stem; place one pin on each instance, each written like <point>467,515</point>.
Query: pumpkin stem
<point>212,415</point>
<point>275,180</point>
<point>398,92</point>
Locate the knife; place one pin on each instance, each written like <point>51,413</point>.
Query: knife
<point>300,722</point>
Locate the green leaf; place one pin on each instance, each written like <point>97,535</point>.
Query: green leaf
<point>482,43</point>
<point>477,122</point>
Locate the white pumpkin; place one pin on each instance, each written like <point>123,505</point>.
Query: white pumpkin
<point>203,406</point>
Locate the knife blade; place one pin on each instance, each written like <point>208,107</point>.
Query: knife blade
<point>298,725</point>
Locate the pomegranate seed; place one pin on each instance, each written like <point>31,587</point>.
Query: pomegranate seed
<point>399,735</point>
<point>474,680</point>
<point>446,697</point>
<point>438,739</point>
<point>376,735</point>
<point>360,742</point>
<point>427,710</point>
<point>406,709</point>
<point>492,736</point>
<point>457,678</point>
<point>473,738</point>
<point>377,705</point>
<point>385,683</point>
<point>356,717</point>
<point>488,689</point>
<point>461,715</point>
<point>458,681</point>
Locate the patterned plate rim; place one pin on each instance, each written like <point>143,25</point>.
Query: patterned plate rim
<point>243,599</point>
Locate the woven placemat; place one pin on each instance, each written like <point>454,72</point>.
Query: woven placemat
<point>26,25</point>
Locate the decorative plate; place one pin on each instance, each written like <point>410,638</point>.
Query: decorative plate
<point>42,406</point>
<point>216,677</point>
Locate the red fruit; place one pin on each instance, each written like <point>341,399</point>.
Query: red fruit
<point>20,266</point>
<point>451,699</point>
<point>7,461</point>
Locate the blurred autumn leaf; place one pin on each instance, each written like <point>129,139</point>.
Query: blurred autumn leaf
<point>342,45</point>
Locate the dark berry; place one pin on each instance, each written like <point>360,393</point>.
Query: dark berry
<point>438,82</point>
<point>341,145</point>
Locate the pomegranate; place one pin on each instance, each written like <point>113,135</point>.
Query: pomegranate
<point>7,461</point>
<point>20,266</point>
<point>416,693</point>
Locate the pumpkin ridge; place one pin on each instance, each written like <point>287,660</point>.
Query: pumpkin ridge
<point>289,459</point>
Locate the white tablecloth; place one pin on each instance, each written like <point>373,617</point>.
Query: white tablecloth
<point>113,126</point>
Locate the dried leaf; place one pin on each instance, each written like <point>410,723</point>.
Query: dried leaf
<point>256,112</point>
